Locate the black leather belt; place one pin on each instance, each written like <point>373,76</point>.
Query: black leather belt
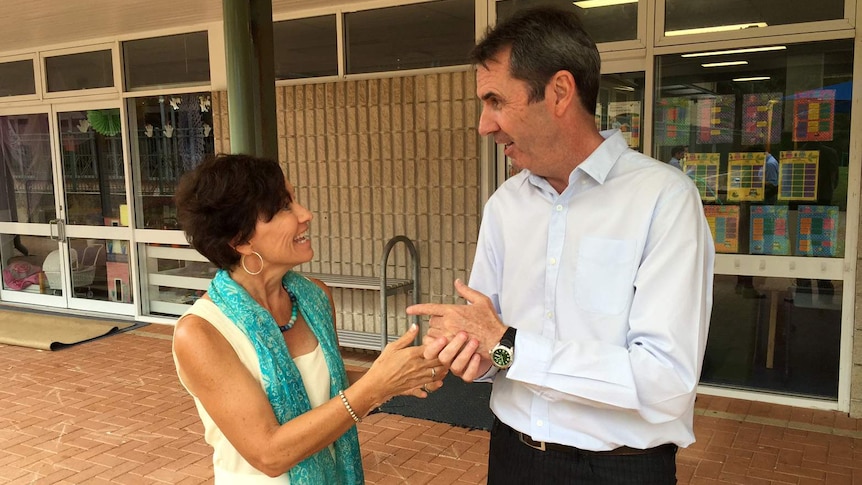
<point>622,450</point>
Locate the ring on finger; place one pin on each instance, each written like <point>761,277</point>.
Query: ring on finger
<point>433,373</point>
<point>425,388</point>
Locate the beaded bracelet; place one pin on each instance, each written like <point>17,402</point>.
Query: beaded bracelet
<point>349,409</point>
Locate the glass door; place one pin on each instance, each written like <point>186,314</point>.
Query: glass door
<point>92,268</point>
<point>29,232</point>
<point>64,228</point>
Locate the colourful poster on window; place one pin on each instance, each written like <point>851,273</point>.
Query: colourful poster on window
<point>626,117</point>
<point>761,118</point>
<point>797,175</point>
<point>814,115</point>
<point>724,223</point>
<point>703,170</point>
<point>769,230</point>
<point>715,119</point>
<point>817,230</point>
<point>673,121</point>
<point>745,176</point>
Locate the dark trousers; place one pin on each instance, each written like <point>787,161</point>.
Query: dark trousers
<point>512,462</point>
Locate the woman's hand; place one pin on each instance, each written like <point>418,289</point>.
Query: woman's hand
<point>402,369</point>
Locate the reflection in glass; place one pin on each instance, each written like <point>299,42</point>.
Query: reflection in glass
<point>93,171</point>
<point>26,180</point>
<point>775,334</point>
<point>172,135</point>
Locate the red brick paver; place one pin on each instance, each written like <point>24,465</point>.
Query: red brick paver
<point>112,411</point>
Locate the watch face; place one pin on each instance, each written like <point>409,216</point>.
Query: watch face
<point>501,357</point>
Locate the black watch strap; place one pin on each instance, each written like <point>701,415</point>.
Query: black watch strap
<point>508,339</point>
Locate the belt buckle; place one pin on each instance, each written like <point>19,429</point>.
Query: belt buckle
<point>536,445</point>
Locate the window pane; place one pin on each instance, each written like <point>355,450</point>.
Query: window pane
<point>305,48</point>
<point>416,36</point>
<point>682,15</point>
<point>174,134</point>
<point>167,61</point>
<point>604,23</point>
<point>27,188</point>
<point>17,78</point>
<point>768,138</point>
<point>88,70</point>
<point>94,176</point>
<point>775,334</point>
<point>621,106</point>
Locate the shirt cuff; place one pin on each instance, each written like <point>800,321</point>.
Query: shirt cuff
<point>489,375</point>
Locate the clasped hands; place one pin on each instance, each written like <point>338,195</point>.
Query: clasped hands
<point>461,336</point>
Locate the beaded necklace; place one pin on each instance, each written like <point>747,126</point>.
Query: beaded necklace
<point>293,312</point>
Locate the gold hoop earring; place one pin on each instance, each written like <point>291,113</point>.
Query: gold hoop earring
<point>242,262</point>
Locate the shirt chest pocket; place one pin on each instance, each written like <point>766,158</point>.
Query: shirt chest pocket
<point>604,275</point>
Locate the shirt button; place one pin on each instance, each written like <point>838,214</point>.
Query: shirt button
<point>553,261</point>
<point>540,423</point>
<point>559,208</point>
<point>550,314</point>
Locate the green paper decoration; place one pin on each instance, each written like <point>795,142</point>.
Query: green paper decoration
<point>105,122</point>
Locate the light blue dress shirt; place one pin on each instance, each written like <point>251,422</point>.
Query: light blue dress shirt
<point>610,287</point>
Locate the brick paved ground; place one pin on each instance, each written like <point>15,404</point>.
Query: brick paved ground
<point>112,411</point>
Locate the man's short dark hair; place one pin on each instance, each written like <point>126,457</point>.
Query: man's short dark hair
<point>544,41</point>
<point>677,150</point>
<point>220,202</point>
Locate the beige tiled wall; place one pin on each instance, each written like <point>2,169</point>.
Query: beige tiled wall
<point>377,158</point>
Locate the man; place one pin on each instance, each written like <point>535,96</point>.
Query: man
<point>677,155</point>
<point>597,263</point>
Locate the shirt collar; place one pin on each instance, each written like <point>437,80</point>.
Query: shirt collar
<point>598,165</point>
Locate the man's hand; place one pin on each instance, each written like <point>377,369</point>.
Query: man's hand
<point>470,330</point>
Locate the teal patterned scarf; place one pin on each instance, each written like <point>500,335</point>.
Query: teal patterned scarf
<point>281,378</point>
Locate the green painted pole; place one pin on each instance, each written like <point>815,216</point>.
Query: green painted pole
<point>262,37</point>
<point>250,77</point>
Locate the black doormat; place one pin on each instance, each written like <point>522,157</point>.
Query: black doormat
<point>457,403</point>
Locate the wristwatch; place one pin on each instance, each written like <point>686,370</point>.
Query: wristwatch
<point>504,352</point>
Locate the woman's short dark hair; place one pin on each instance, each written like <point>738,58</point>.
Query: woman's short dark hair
<point>220,202</point>
<point>544,41</point>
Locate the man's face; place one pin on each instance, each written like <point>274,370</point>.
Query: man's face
<point>525,129</point>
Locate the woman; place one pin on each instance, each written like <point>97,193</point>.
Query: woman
<point>259,351</point>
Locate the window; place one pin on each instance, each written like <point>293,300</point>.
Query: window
<point>604,21</point>
<point>87,70</point>
<point>681,16</point>
<point>167,61</point>
<point>765,135</point>
<point>422,35</point>
<point>17,78</point>
<point>171,135</point>
<point>621,106</point>
<point>306,48</point>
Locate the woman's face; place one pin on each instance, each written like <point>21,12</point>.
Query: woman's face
<point>284,240</point>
